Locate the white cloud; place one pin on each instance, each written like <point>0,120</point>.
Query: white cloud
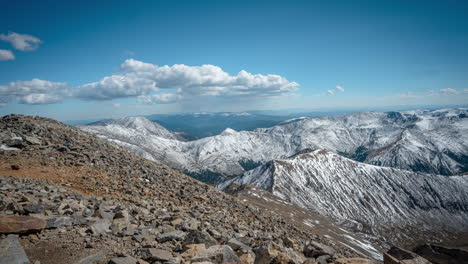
<point>339,88</point>
<point>330,92</point>
<point>140,79</point>
<point>35,91</point>
<point>116,86</point>
<point>21,42</point>
<point>6,55</point>
<point>448,91</point>
<point>209,80</point>
<point>116,105</point>
<point>40,98</point>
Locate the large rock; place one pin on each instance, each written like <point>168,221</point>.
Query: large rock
<point>316,249</point>
<point>175,235</point>
<point>245,253</point>
<point>269,252</point>
<point>123,260</point>
<point>398,255</point>
<point>442,255</point>
<point>217,254</point>
<point>353,261</point>
<point>55,222</point>
<point>192,250</point>
<point>21,224</point>
<point>154,254</point>
<point>33,140</point>
<point>11,251</point>
<point>100,226</point>
<point>199,237</point>
<point>92,259</point>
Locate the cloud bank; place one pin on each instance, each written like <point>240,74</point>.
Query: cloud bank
<point>35,91</point>
<point>140,79</point>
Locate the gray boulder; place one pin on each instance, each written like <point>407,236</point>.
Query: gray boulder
<point>217,254</point>
<point>316,249</point>
<point>442,255</point>
<point>11,251</point>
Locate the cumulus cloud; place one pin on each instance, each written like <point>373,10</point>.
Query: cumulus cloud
<point>209,80</point>
<point>6,55</point>
<point>339,88</point>
<point>330,92</point>
<point>449,91</point>
<point>116,86</point>
<point>141,79</point>
<point>35,91</point>
<point>21,42</point>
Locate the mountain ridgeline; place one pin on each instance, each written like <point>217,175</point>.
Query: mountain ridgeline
<point>424,141</point>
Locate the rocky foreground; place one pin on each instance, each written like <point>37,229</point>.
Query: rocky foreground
<point>69,197</point>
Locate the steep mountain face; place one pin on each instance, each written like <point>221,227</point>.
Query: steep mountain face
<point>425,141</point>
<point>372,198</point>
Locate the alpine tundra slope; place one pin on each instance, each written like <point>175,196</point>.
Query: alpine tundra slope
<point>426,141</point>
<point>365,197</point>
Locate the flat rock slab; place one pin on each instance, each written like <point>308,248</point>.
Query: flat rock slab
<point>353,261</point>
<point>123,260</point>
<point>21,224</point>
<point>92,259</point>
<point>11,251</point>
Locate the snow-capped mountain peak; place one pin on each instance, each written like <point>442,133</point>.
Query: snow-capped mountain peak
<point>228,131</point>
<point>140,124</point>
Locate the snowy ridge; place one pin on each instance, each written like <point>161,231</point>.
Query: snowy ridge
<point>139,125</point>
<point>427,141</point>
<point>373,196</point>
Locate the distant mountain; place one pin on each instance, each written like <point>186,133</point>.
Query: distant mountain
<point>140,124</point>
<point>368,198</point>
<point>424,141</point>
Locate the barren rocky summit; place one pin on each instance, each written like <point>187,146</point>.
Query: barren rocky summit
<point>69,197</point>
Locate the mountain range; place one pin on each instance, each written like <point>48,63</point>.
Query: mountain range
<point>421,140</point>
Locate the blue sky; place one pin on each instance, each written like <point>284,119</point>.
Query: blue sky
<point>97,59</point>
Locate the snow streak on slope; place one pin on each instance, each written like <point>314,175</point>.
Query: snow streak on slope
<point>427,141</point>
<point>373,196</point>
